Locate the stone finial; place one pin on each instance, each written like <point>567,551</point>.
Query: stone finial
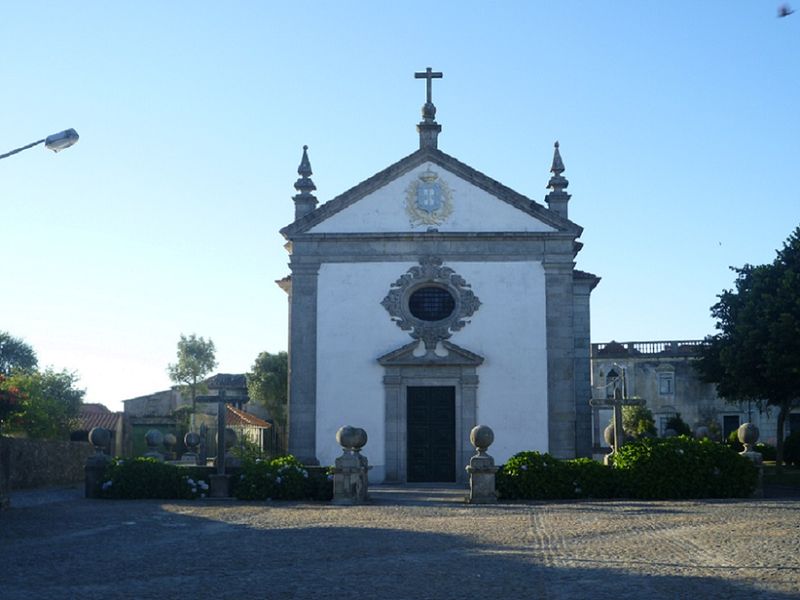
<point>154,438</point>
<point>304,201</point>
<point>481,467</point>
<point>748,436</point>
<point>99,437</point>
<point>557,200</point>
<point>350,471</point>
<point>428,128</point>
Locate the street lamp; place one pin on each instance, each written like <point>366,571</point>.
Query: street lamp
<point>56,142</point>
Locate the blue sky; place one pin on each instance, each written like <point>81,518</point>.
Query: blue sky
<point>678,122</point>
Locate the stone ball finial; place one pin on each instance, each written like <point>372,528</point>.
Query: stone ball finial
<point>191,439</point>
<point>154,438</point>
<point>608,435</point>
<point>481,437</point>
<point>748,435</point>
<point>170,440</point>
<point>351,438</point>
<point>701,432</point>
<point>99,437</point>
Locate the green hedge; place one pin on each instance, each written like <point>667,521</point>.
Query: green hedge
<point>531,475</point>
<point>138,478</point>
<point>283,478</point>
<point>651,468</point>
<point>682,467</point>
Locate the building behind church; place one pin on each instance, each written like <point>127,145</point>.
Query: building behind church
<point>430,298</point>
<point>662,373</point>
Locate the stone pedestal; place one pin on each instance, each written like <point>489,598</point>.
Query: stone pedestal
<point>748,436</point>
<point>350,471</point>
<point>219,486</point>
<point>96,464</point>
<point>482,488</point>
<point>349,480</point>
<point>481,468</point>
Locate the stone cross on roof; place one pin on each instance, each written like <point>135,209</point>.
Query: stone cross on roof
<point>428,129</point>
<point>430,75</point>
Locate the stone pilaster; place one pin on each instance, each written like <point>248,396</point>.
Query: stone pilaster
<point>560,358</point>
<point>303,363</point>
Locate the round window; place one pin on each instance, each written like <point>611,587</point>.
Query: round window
<point>431,303</point>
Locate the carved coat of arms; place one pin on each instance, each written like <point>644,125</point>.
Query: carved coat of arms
<point>428,199</point>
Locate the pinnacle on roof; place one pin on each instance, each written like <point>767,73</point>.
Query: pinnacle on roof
<point>305,201</point>
<point>557,200</point>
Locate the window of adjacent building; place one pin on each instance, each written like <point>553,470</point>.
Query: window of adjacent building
<point>611,382</point>
<point>666,384</point>
<point>794,422</point>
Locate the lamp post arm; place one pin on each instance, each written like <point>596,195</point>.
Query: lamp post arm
<point>31,145</point>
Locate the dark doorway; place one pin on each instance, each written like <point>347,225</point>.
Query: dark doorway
<point>730,423</point>
<point>431,419</point>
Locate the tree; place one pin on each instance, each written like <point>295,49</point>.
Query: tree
<point>47,402</point>
<point>195,361</point>
<point>15,354</point>
<point>267,384</point>
<point>756,354</point>
<point>638,422</point>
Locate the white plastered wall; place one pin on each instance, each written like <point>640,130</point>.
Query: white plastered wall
<point>508,330</point>
<point>474,210</point>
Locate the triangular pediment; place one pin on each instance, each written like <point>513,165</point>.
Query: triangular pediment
<point>464,200</point>
<point>409,356</point>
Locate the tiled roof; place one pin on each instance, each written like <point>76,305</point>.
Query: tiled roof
<point>238,417</point>
<point>88,419</point>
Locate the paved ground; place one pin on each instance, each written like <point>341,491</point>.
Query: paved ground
<point>409,543</point>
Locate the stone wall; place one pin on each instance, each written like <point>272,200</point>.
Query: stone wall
<point>28,463</point>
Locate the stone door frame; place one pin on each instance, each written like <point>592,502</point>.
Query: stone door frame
<point>403,370</point>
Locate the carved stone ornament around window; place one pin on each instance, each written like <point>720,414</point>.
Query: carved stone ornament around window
<point>425,293</point>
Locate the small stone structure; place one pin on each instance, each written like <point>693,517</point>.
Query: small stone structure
<point>191,440</point>
<point>154,439</point>
<point>350,473</point>
<point>481,467</point>
<point>748,436</point>
<point>97,463</point>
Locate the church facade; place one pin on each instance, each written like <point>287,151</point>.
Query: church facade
<point>431,298</point>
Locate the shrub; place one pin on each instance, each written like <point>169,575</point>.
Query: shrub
<point>141,477</point>
<point>678,425</point>
<point>282,478</point>
<point>536,476</point>
<point>791,449</point>
<point>681,467</point>
<point>768,451</point>
<point>733,441</point>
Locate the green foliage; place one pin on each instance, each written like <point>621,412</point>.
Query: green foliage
<point>678,425</point>
<point>768,451</point>
<point>46,403</point>
<point>651,468</point>
<point>756,352</point>
<point>15,355</point>
<point>267,384</point>
<point>682,467</point>
<point>536,476</point>
<point>733,441</point>
<point>638,421</point>
<point>195,361</point>
<point>283,478</point>
<point>139,478</point>
<point>791,449</point>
